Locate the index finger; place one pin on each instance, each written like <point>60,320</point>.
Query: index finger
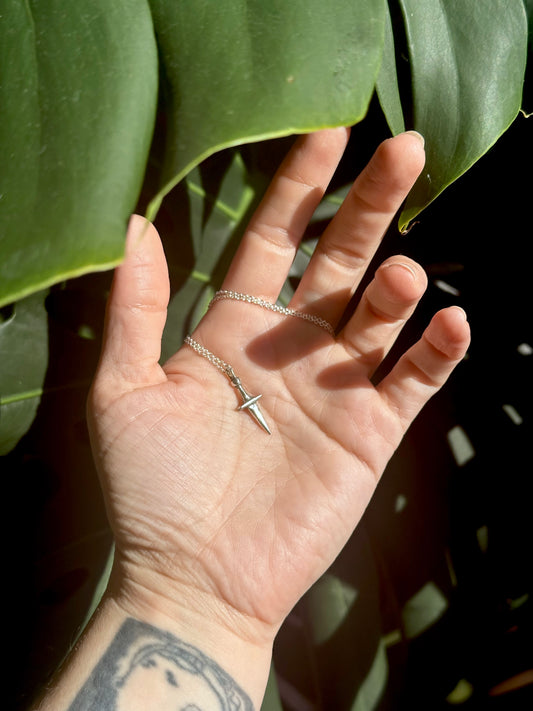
<point>264,257</point>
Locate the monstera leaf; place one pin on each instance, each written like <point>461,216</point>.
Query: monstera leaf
<point>467,64</point>
<point>23,368</point>
<point>79,84</point>
<point>78,89</point>
<point>78,99</point>
<point>244,72</point>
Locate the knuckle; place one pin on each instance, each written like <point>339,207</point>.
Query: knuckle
<point>280,239</point>
<point>342,255</point>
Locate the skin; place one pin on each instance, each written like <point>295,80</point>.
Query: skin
<point>219,527</point>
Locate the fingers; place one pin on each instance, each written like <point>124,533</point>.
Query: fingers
<point>267,250</point>
<point>136,310</point>
<point>387,303</point>
<point>425,367</point>
<point>349,243</point>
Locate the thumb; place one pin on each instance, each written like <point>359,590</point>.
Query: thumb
<point>136,312</point>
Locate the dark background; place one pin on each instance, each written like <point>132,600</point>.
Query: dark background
<point>476,238</point>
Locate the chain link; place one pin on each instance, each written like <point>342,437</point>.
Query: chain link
<point>237,296</point>
<point>211,357</point>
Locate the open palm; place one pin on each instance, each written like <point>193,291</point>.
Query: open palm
<point>199,496</point>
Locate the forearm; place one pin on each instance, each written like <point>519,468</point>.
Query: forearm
<point>153,660</point>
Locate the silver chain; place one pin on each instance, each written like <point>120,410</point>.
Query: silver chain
<point>237,296</point>
<point>211,357</point>
<point>249,402</point>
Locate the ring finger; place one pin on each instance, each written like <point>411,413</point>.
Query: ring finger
<point>350,241</point>
<point>387,303</point>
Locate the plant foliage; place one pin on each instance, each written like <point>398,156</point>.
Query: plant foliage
<point>82,87</point>
<point>79,88</point>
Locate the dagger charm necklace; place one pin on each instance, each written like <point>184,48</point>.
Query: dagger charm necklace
<point>249,402</point>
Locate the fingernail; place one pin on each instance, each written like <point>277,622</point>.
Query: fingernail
<point>405,266</point>
<point>137,228</point>
<point>462,311</point>
<point>418,135</point>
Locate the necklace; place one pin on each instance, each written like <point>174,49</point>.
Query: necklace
<point>237,296</point>
<point>249,402</point>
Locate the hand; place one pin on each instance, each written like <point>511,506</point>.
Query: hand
<point>210,513</point>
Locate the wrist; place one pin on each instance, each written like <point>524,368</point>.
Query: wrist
<point>136,655</point>
<point>239,645</point>
<point>143,590</point>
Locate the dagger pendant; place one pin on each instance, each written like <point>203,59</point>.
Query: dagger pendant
<point>249,401</point>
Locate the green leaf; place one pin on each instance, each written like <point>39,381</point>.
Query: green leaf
<point>373,686</point>
<point>468,62</point>
<point>210,220</point>
<point>271,700</point>
<point>423,610</point>
<point>210,211</point>
<point>387,83</point>
<point>241,72</point>
<point>330,603</point>
<point>78,90</point>
<point>23,368</point>
<point>528,4</point>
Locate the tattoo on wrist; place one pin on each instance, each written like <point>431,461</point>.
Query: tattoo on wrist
<point>148,668</point>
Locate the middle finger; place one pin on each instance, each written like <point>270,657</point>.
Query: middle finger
<point>345,249</point>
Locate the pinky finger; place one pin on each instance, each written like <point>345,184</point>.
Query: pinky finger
<point>426,366</point>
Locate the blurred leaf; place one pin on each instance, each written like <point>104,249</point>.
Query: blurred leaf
<point>342,607</point>
<point>387,83</point>
<point>78,88</point>
<point>373,686</point>
<point>423,610</point>
<point>24,357</point>
<point>468,62</point>
<point>215,220</point>
<point>460,693</point>
<point>329,604</point>
<point>98,592</point>
<point>241,72</point>
<point>272,701</point>
<point>322,215</point>
<point>330,204</point>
